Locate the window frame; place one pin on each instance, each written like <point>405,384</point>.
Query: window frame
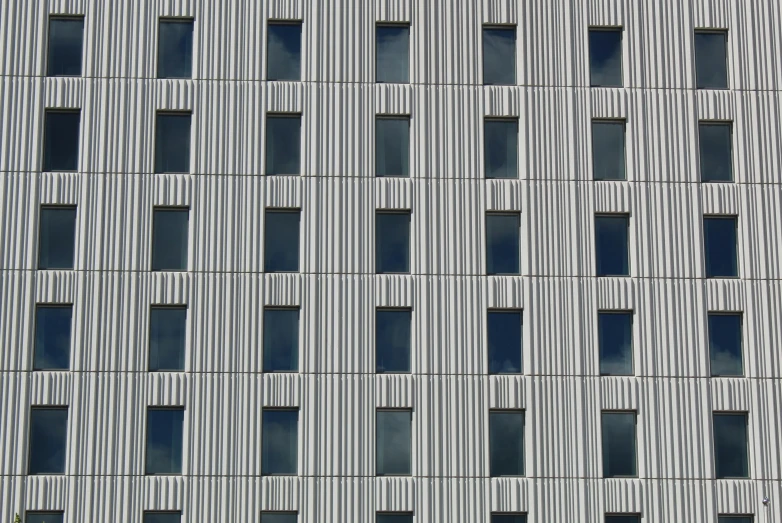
<point>298,336</point>
<point>168,512</point>
<point>737,247</point>
<point>506,513</point>
<point>176,20</point>
<point>283,21</point>
<point>505,310</point>
<point>628,217</point>
<point>170,208</point>
<point>49,206</point>
<point>28,513</point>
<point>635,448</point>
<point>389,116</point>
<point>501,119</point>
<point>282,210</point>
<point>524,440</point>
<point>722,517</point>
<point>297,410</point>
<point>278,513</point>
<point>410,346</point>
<point>745,415</point>
<point>516,214</point>
<point>45,141</point>
<point>409,410</point>
<point>607,29</point>
<point>396,212</point>
<point>274,115</point>
<point>395,513</point>
<point>51,305</point>
<point>29,431</point>
<point>401,25</point>
<point>725,32</point>
<point>504,27</point>
<point>716,123</point>
<point>607,515</point>
<point>610,121</point>
<point>172,408</point>
<point>168,306</point>
<point>740,314</point>
<point>631,313</point>
<point>172,112</point>
<point>69,17</point>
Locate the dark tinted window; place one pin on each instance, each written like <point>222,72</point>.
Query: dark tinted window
<point>48,440</point>
<point>611,245</point>
<point>394,440</point>
<point>281,241</point>
<point>43,517</point>
<point>714,140</point>
<point>734,519</point>
<point>169,239</point>
<point>605,57</point>
<point>615,335</point>
<point>501,148</point>
<point>619,444</point>
<point>283,144</point>
<point>393,44</point>
<point>162,517</point>
<point>65,46</point>
<point>392,242</point>
<point>279,517</point>
<point>172,143</point>
<point>608,150</point>
<point>283,53</point>
<point>503,244</point>
<point>499,55</point>
<point>57,238</point>
<point>623,518</point>
<point>711,60</point>
<point>279,442</point>
<point>61,141</point>
<point>392,146</point>
<point>719,238</point>
<point>164,440</point>
<point>392,340</point>
<point>508,518</point>
<point>52,337</point>
<point>730,445</point>
<point>725,344</point>
<point>504,337</point>
<point>506,443</point>
<point>167,330</point>
<point>175,49</point>
<point>394,518</point>
<point>280,340</point>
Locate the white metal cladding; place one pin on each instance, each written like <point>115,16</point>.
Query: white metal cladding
<point>223,390</point>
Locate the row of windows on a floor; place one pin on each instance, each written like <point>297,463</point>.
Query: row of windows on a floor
<point>392,52</point>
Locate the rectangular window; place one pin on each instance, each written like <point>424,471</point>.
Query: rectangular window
<point>172,142</point>
<point>281,240</point>
<point>499,55</point>
<point>605,56</point>
<point>725,344</point>
<point>283,144</point>
<point>175,48</point>
<point>509,518</point>
<point>48,440</point>
<point>169,239</point>
<point>615,338</point>
<point>393,517</point>
<point>734,519</point>
<point>283,50</point>
<point>167,332</point>
<point>503,243</point>
<point>715,144</point>
<point>612,244</point>
<point>279,441</point>
<point>162,517</point>
<point>392,242</point>
<point>61,140</point>
<point>57,237</point>
<point>392,53</point>
<point>43,517</point>
<point>66,36</point>
<point>504,340</point>
<point>623,518</point>
<point>619,443</point>
<point>279,517</point>
<point>164,440</point>
<point>711,59</point>
<point>501,148</point>
<point>608,150</point>
<point>392,146</point>
<point>52,337</point>
<point>730,445</point>
<point>280,340</point>
<point>392,340</point>
<point>394,442</point>
<point>506,443</point>
<point>720,238</point>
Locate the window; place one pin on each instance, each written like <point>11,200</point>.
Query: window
<point>167,331</point>
<point>506,443</point>
<point>504,340</point>
<point>281,240</point>
<point>175,49</point>
<point>730,445</point>
<point>503,245</point>
<point>279,517</point>
<point>57,237</point>
<point>48,440</point>
<point>719,238</point>
<point>43,517</point>
<point>61,140</point>
<point>501,148</point>
<point>725,344</point>
<point>619,444</point>
<point>164,440</point>
<point>612,245</point>
<point>392,340</point>
<point>509,518</point>
<point>393,45</point>
<point>162,517</point>
<point>392,242</point>
<point>393,517</point>
<point>280,340</point>
<point>283,144</point>
<point>499,55</point>
<point>279,441</point>
<point>605,56</point>
<point>615,338</point>
<point>623,518</point>
<point>711,59</point>
<point>608,150</point>
<point>169,239</point>
<point>392,146</point>
<point>66,35</point>
<point>394,441</point>
<point>714,140</point>
<point>172,143</point>
<point>283,52</point>
<point>734,519</point>
<point>52,337</point>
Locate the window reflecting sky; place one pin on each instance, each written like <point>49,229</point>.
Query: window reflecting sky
<point>392,242</point>
<point>169,236</point>
<point>283,53</point>
<point>608,150</point>
<point>66,36</point>
<point>280,340</point>
<point>502,243</point>
<point>279,442</point>
<point>281,241</point>
<point>711,60</point>
<point>53,337</point>
<point>48,440</point>
<point>175,49</point>
<point>394,439</point>
<point>392,146</point>
<point>619,456</point>
<point>172,143</point>
<point>392,340</point>
<point>506,443</point>
<point>283,144</point>
<point>164,440</point>
<point>725,345</point>
<point>605,57</point>
<point>714,143</point>
<point>61,141</point>
<point>504,338</point>
<point>719,235</point>
<point>56,241</point>
<point>730,445</point>
<point>167,331</point>
<point>615,334</point>
<point>43,517</point>
<point>393,42</point>
<point>499,56</point>
<point>501,148</point>
<point>612,248</point>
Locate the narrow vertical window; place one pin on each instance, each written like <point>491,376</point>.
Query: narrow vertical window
<point>61,140</point>
<point>167,331</point>
<point>393,517</point>
<point>605,56</point>
<point>501,148</point>
<point>503,243</point>
<point>162,517</point>
<point>725,344</point>
<point>281,240</point>
<point>499,55</point>
<point>283,144</point>
<point>711,59</point>
<point>504,340</point>
<point>175,48</point>
<point>279,441</point>
<point>720,238</point>
<point>43,517</point>
<point>392,146</point>
<point>508,518</point>
<point>615,337</point>
<point>392,53</point>
<point>66,43</point>
<point>392,242</point>
<point>619,444</point>
<point>280,340</point>
<point>506,443</point>
<point>279,517</point>
<point>392,340</point>
<point>52,337</point>
<point>48,440</point>
<point>612,245</point>
<point>730,445</point>
<point>57,237</point>
<point>715,146</point>
<point>283,50</point>
<point>164,440</point>
<point>608,150</point>
<point>169,239</point>
<point>394,441</point>
<point>172,142</point>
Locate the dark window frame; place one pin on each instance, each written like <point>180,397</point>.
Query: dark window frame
<point>721,517</point>
<point>400,25</point>
<point>68,17</point>
<point>293,115</point>
<point>167,512</point>
<point>506,513</point>
<point>286,210</point>
<point>44,141</point>
<point>283,21</point>
<point>296,308</point>
<point>390,116</point>
<point>524,440</point>
<point>608,29</point>
<point>297,410</point>
<point>179,20</point>
<point>58,406</point>
<point>60,513</point>
<point>175,408</point>
<point>410,348</point>
<point>409,410</point>
<point>501,119</point>
<point>504,27</point>
<point>169,306</point>
<point>54,206</point>
<point>279,513</point>
<point>170,208</point>
<point>716,123</point>
<point>635,448</point>
<point>630,312</point>
<point>397,212</point>
<point>516,214</point>
<point>639,515</point>
<point>724,31</point>
<point>627,216</point>
<point>613,121</point>
<point>505,310</point>
<point>745,414</point>
<point>740,314</point>
<point>172,112</point>
<point>58,305</point>
<point>734,217</point>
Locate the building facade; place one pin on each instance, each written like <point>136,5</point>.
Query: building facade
<point>301,261</point>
